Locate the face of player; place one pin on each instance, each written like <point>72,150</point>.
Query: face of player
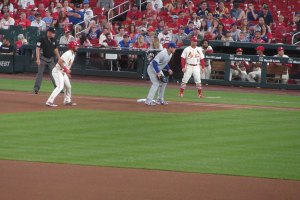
<point>260,53</point>
<point>281,53</point>
<point>193,44</point>
<point>239,53</point>
<point>205,44</point>
<point>172,50</point>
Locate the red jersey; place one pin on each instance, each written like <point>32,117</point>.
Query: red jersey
<point>137,15</point>
<point>111,43</point>
<point>24,23</point>
<point>143,46</point>
<point>227,23</point>
<point>150,13</point>
<point>255,40</point>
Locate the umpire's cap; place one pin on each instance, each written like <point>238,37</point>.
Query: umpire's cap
<point>51,29</point>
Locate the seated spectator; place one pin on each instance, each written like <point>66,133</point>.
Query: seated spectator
<point>41,9</point>
<point>196,34</point>
<point>75,16</point>
<point>203,28</point>
<point>62,20</point>
<point>266,34</point>
<point>189,28</point>
<point>66,7</point>
<point>257,38</point>
<point>19,44</point>
<point>51,7</point>
<point>3,11</point>
<point>57,10</point>
<point>132,32</point>
<point>67,37</point>
<point>120,35</point>
<point>243,37</point>
<point>126,42</point>
<point>109,42</point>
<point>177,8</point>
<point>182,20</point>
<point>93,33</point>
<point>24,4</point>
<point>195,19</point>
<point>209,20</point>
<point>6,47</point>
<point>280,28</point>
<point>261,22</point>
<point>155,44</point>
<point>235,32</point>
<point>83,40</point>
<point>294,26</point>
<point>160,26</point>
<point>6,21</point>
<point>239,68</point>
<point>31,16</point>
<point>219,32</point>
<point>8,4</point>
<point>179,37</point>
<point>88,12</point>
<point>149,12</point>
<point>174,24</point>
<point>220,10</point>
<point>157,5</point>
<point>203,9</point>
<point>227,37</point>
<point>166,36</point>
<point>266,14</point>
<point>251,13</point>
<point>48,18</point>
<point>255,74</point>
<point>208,35</point>
<point>280,53</point>
<point>23,21</point>
<point>237,13</point>
<point>227,21</point>
<point>38,22</point>
<point>134,14</point>
<point>103,37</point>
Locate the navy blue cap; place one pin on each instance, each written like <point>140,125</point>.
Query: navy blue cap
<point>172,45</point>
<point>51,29</point>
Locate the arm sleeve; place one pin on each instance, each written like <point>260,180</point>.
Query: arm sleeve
<point>155,66</point>
<point>202,63</point>
<point>182,62</point>
<point>167,67</point>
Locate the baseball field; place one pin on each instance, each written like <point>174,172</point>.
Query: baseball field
<point>237,143</point>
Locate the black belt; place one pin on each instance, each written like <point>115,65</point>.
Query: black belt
<point>193,64</point>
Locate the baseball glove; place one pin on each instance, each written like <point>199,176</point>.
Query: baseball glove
<point>163,79</point>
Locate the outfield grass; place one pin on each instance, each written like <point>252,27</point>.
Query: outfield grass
<point>136,92</point>
<point>260,143</point>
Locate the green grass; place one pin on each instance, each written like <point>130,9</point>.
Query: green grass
<point>260,143</point>
<point>123,91</point>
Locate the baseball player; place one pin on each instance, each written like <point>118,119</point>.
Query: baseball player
<point>61,73</point>
<point>206,49</point>
<point>256,70</point>
<point>238,68</point>
<point>280,53</point>
<point>191,59</point>
<point>156,75</point>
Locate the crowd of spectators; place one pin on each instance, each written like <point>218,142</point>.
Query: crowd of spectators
<point>160,23</point>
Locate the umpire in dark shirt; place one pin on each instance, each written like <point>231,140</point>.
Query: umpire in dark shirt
<point>48,47</point>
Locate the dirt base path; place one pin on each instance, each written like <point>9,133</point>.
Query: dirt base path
<point>44,181</point>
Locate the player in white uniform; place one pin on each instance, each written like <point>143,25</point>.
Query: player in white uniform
<point>256,69</point>
<point>239,68</point>
<point>206,49</point>
<point>61,73</point>
<point>280,53</point>
<point>191,59</point>
<point>154,70</point>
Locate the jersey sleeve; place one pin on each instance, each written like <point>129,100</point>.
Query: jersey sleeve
<point>39,43</point>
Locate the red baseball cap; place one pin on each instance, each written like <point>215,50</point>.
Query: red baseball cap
<point>280,48</point>
<point>260,48</point>
<point>239,50</point>
<point>194,39</point>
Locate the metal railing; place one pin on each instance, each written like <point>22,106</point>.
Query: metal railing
<point>117,11</point>
<point>296,34</point>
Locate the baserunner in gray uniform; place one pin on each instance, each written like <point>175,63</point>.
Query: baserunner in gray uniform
<point>154,70</point>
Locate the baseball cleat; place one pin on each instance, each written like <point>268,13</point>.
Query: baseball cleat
<point>200,96</point>
<point>51,104</point>
<point>70,104</point>
<point>180,95</point>
<point>151,103</point>
<point>161,102</point>
<point>36,91</point>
